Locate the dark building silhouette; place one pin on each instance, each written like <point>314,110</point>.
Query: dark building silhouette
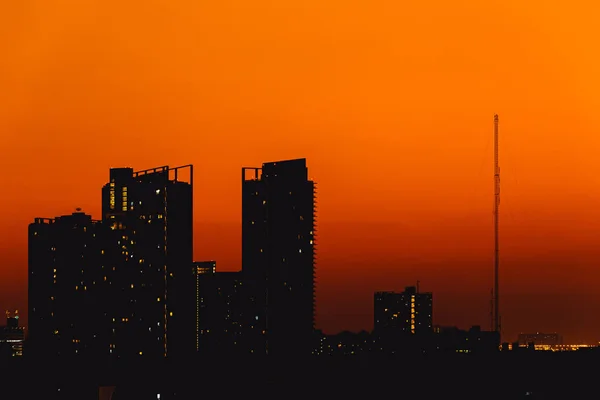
<point>201,268</point>
<point>220,302</point>
<point>474,340</point>
<point>67,283</point>
<point>150,213</point>
<point>408,312</point>
<point>121,287</point>
<point>278,254</point>
<point>343,344</point>
<point>12,336</point>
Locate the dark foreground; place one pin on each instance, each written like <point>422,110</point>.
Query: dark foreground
<point>507,376</point>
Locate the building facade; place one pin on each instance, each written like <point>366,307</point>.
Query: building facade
<point>278,254</point>
<point>220,311</point>
<point>408,312</point>
<point>123,286</point>
<point>150,215</point>
<point>67,271</point>
<point>201,268</point>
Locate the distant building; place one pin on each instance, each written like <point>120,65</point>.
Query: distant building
<point>278,255</point>
<point>408,312</point>
<point>12,336</point>
<point>474,340</point>
<point>219,323</point>
<point>68,272</point>
<point>539,339</point>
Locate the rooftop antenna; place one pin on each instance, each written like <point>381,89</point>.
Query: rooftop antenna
<point>496,293</point>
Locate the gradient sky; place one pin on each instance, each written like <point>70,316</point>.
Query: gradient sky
<point>392,104</point>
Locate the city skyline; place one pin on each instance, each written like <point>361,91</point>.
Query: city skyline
<point>126,287</point>
<point>392,106</point>
<point>248,178</point>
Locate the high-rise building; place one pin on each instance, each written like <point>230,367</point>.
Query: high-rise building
<point>68,274</point>
<point>123,286</point>
<point>12,336</point>
<point>150,213</point>
<point>408,312</point>
<point>278,254</point>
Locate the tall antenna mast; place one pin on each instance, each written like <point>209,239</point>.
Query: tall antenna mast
<point>496,215</point>
<point>492,309</point>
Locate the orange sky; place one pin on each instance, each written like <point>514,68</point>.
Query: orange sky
<point>390,102</point>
